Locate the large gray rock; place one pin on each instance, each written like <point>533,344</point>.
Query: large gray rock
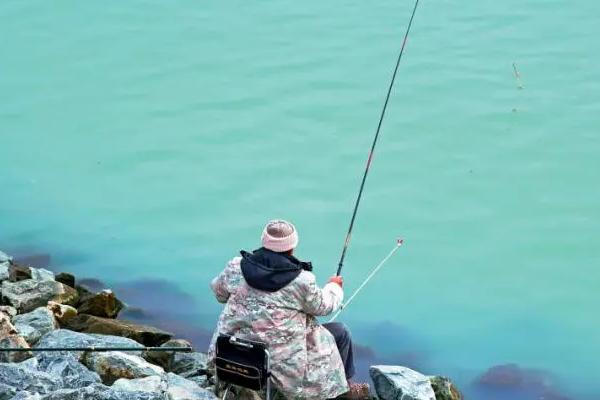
<point>165,358</point>
<point>395,382</point>
<point>30,294</point>
<point>7,392</point>
<point>102,304</point>
<point>27,396</point>
<point>67,338</point>
<point>4,257</point>
<point>41,274</point>
<point>444,389</point>
<point>174,386</point>
<point>33,325</point>
<point>67,368</point>
<point>189,364</point>
<point>26,377</point>
<point>100,392</point>
<point>113,365</point>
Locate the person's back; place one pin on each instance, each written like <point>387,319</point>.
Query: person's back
<point>272,297</point>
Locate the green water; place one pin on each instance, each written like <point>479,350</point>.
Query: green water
<point>152,139</point>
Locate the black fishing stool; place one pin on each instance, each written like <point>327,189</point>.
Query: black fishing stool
<point>244,363</point>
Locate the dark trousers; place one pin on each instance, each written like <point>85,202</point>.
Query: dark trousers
<point>343,340</point>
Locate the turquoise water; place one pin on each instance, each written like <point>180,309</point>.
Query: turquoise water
<point>150,140</point>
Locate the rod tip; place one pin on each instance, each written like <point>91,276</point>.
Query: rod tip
<point>400,242</point>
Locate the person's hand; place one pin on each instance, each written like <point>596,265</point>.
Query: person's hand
<point>337,279</point>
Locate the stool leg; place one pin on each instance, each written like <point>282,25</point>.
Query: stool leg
<point>268,389</point>
<point>226,392</point>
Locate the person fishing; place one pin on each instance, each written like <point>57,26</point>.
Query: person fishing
<point>272,297</point>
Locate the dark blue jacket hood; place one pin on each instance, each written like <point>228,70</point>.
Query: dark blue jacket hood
<point>270,271</point>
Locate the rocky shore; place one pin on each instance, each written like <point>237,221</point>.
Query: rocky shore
<point>43,310</point>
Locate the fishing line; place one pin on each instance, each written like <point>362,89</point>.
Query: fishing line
<point>362,184</point>
<point>399,243</point>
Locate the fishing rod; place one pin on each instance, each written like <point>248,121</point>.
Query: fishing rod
<point>399,243</point>
<point>370,158</point>
<point>97,349</point>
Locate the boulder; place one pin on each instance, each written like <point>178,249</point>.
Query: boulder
<point>33,325</point>
<point>4,257</point>
<point>41,274</point>
<point>29,294</point>
<point>66,279</point>
<point>4,270</point>
<point>9,311</point>
<point>7,392</point>
<point>165,358</point>
<point>25,376</point>
<point>147,335</point>
<point>444,389</point>
<point>62,312</point>
<point>99,392</point>
<point>113,365</point>
<point>17,272</point>
<point>68,369</point>
<point>27,396</point>
<point>67,338</point>
<point>174,386</point>
<point>395,382</point>
<point>11,342</point>
<point>201,380</point>
<point>189,364</point>
<point>6,326</point>
<point>101,304</point>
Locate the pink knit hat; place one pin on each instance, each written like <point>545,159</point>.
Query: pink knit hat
<point>279,236</point>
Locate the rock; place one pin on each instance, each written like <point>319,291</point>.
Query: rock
<point>146,335</point>
<point>165,358</point>
<point>29,294</point>
<point>62,312</point>
<point>41,274</point>
<point>4,257</point>
<point>4,270</point>
<point>24,376</point>
<point>27,396</point>
<point>394,382</point>
<point>39,321</point>
<point>189,364</point>
<point>7,392</point>
<point>102,304</point>
<point>9,311</point>
<point>66,279</point>
<point>67,338</point>
<point>100,392</point>
<point>113,365</point>
<point>174,386</point>
<point>18,272</point>
<point>11,342</point>
<point>444,389</point>
<point>512,381</point>
<point>201,381</point>
<point>67,368</point>
<point>6,326</point>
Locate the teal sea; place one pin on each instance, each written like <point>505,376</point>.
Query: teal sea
<point>145,143</point>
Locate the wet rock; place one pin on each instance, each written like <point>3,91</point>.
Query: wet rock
<point>174,386</point>
<point>29,294</point>
<point>395,382</point>
<point>66,279</point>
<point>101,304</point>
<point>67,368</point>
<point>147,335</point>
<point>9,311</point>
<point>165,358</point>
<point>41,274</point>
<point>444,389</point>
<point>114,365</point>
<point>189,364</point>
<point>62,312</point>
<point>18,272</point>
<point>11,342</point>
<point>33,325</point>
<point>67,338</point>
<point>24,376</point>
